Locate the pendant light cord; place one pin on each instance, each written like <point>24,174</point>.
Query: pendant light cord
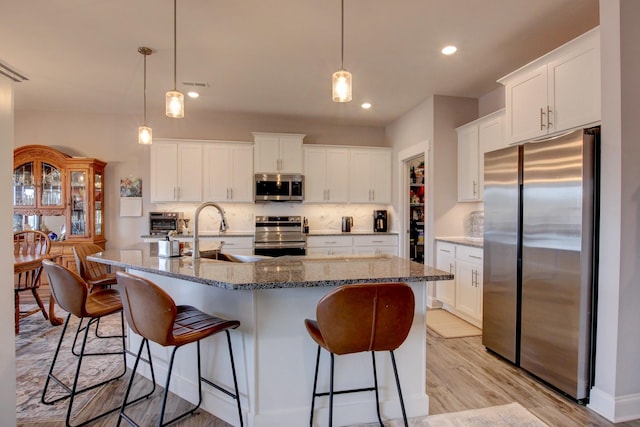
<point>145,89</point>
<point>175,44</point>
<point>342,38</point>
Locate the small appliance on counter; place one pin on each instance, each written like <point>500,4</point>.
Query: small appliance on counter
<point>161,223</point>
<point>380,221</point>
<point>347,223</point>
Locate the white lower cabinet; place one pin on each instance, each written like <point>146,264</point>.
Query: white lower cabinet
<point>446,260</point>
<point>465,299</point>
<point>375,245</point>
<point>329,245</point>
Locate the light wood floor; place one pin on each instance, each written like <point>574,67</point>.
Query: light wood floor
<point>461,375</point>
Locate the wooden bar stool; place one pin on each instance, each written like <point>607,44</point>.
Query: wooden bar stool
<point>152,314</point>
<point>358,318</point>
<point>72,294</point>
<point>94,273</point>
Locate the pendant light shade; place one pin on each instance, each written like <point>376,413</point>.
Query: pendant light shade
<point>341,81</point>
<point>174,100</point>
<point>144,132</point>
<point>342,86</point>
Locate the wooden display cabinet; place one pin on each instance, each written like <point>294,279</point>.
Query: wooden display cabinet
<point>47,182</point>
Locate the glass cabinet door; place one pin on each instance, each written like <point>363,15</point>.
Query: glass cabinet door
<point>79,181</point>
<point>97,217</point>
<point>51,186</point>
<point>24,185</point>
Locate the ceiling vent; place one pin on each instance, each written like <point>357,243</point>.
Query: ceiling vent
<point>196,84</point>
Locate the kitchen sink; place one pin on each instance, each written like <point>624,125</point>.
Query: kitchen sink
<point>220,256</point>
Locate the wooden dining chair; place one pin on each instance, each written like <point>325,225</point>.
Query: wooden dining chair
<point>29,243</point>
<point>94,273</point>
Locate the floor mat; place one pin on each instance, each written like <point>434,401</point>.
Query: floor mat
<point>447,325</point>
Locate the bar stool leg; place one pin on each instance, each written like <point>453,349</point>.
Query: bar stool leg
<point>133,373</point>
<point>375,383</point>
<point>315,383</point>
<point>235,378</point>
<point>395,371</point>
<point>331,392</point>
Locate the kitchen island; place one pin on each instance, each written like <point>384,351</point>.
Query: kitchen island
<point>274,355</point>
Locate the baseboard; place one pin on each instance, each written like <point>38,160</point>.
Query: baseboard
<point>615,408</point>
<point>433,302</point>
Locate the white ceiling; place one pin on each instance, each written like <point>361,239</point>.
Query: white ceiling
<point>275,56</point>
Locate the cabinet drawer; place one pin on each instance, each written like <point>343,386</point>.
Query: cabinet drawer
<point>328,241</point>
<point>446,249</point>
<point>467,253</point>
<point>375,240</point>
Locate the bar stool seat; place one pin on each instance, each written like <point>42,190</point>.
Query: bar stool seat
<point>72,294</point>
<point>153,314</point>
<point>358,318</point>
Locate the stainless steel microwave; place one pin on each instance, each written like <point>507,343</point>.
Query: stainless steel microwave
<point>161,223</point>
<point>279,188</point>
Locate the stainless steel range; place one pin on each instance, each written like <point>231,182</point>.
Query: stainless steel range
<point>280,235</point>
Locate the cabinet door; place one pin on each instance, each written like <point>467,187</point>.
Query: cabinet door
<point>315,174</point>
<point>190,172</point>
<point>242,173</point>
<point>381,176</point>
<point>526,105</point>
<point>360,181</point>
<point>217,172</point>
<point>267,154</point>
<point>337,175</point>
<point>468,183</point>
<point>445,260</point>
<point>490,138</point>
<point>574,88</point>
<point>290,154</point>
<point>164,172</point>
<point>467,289</point>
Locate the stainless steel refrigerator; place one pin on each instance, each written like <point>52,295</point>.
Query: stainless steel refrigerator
<point>540,219</point>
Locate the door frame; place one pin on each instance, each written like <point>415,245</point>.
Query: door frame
<point>404,156</point>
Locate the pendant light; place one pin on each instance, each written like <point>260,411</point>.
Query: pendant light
<point>342,79</point>
<point>174,98</point>
<point>144,132</point>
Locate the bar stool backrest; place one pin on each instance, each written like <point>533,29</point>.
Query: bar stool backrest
<point>149,310</point>
<point>366,317</point>
<point>69,290</point>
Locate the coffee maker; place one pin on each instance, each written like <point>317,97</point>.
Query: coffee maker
<point>380,221</point>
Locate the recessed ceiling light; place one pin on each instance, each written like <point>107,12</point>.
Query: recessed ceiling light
<point>449,50</point>
<point>366,105</point>
<point>193,94</point>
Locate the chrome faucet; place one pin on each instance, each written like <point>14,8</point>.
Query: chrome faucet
<point>195,250</point>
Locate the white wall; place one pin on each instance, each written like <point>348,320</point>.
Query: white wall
<point>113,138</point>
<point>435,119</point>
<point>7,351</point>
<point>616,394</point>
<point>492,101</point>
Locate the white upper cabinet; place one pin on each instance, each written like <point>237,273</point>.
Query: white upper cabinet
<point>277,152</point>
<point>556,92</point>
<point>326,174</point>
<point>370,175</point>
<point>468,183</point>
<point>228,172</point>
<point>176,171</point>
<point>474,140</point>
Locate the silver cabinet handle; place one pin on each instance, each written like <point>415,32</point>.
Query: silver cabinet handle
<point>231,193</point>
<point>450,268</point>
<point>445,250</point>
<point>475,257</point>
<point>542,125</point>
<point>475,184</point>
<point>373,194</point>
<point>549,123</point>
<point>328,194</point>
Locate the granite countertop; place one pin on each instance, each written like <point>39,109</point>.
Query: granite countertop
<point>462,241</point>
<point>273,273</point>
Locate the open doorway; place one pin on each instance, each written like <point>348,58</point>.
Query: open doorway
<point>416,208</point>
